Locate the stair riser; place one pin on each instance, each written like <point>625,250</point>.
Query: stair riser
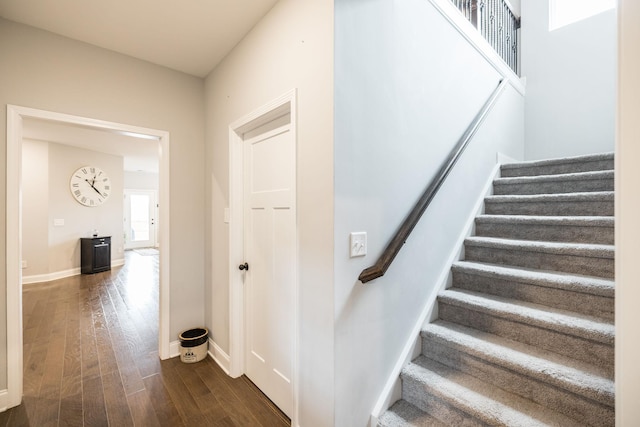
<point>579,208</point>
<point>582,303</point>
<point>576,167</point>
<point>555,187</point>
<point>419,395</point>
<point>600,267</point>
<point>580,348</point>
<point>578,407</point>
<point>548,233</point>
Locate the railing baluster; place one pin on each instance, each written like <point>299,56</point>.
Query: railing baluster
<point>498,25</point>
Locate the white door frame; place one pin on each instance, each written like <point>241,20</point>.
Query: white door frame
<point>15,116</point>
<point>274,109</point>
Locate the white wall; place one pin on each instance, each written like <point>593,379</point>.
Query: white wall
<point>141,180</point>
<point>627,224</point>
<point>571,78</point>
<point>35,207</point>
<point>290,48</point>
<point>50,249</point>
<point>79,220</point>
<point>45,71</point>
<point>406,87</point>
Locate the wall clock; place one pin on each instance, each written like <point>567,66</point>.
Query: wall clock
<point>90,186</point>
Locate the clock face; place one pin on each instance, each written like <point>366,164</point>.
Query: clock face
<point>90,186</point>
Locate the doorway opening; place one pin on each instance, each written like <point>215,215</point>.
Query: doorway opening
<point>140,219</point>
<point>15,124</point>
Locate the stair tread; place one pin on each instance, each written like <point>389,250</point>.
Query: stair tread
<point>583,326</point>
<point>560,248</point>
<point>403,413</point>
<point>559,197</point>
<point>560,161</point>
<point>567,281</point>
<point>566,372</point>
<point>582,221</point>
<point>560,177</point>
<point>483,401</point>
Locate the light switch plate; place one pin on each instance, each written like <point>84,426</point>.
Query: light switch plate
<point>358,244</point>
<point>58,222</point>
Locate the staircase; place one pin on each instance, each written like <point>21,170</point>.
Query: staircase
<point>525,335</point>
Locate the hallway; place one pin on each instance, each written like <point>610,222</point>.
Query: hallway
<point>91,358</point>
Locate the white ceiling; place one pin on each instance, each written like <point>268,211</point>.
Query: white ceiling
<point>191,36</point>
<point>140,154</point>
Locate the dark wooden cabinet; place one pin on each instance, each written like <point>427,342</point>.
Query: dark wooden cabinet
<point>95,254</point>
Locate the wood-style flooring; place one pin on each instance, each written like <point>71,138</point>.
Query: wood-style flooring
<point>91,359</point>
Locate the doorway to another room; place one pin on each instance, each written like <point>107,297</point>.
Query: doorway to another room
<point>17,120</point>
<point>140,219</point>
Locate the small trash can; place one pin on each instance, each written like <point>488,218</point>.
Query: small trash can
<point>193,345</point>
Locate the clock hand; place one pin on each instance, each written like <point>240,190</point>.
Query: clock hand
<point>95,189</point>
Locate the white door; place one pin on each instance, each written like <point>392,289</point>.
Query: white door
<point>270,242</point>
<point>140,218</point>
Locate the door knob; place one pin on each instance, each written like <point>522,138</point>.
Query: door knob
<point>244,266</point>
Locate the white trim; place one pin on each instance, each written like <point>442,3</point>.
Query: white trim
<point>473,36</point>
<point>174,349</point>
<point>219,356</point>
<point>15,115</point>
<point>286,103</point>
<point>392,390</point>
<point>14,255</point>
<point>4,398</point>
<point>48,277</point>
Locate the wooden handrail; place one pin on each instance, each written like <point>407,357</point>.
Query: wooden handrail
<point>398,240</point>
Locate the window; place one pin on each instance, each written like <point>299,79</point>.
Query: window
<point>565,12</point>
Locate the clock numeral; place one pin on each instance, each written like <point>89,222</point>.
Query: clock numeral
<point>99,199</point>
<point>100,173</point>
<point>105,194</point>
<point>77,193</point>
<point>92,202</point>
<point>84,170</point>
<point>83,200</point>
<point>107,187</point>
<point>93,170</point>
<point>76,185</point>
<point>78,176</point>
<point>105,179</point>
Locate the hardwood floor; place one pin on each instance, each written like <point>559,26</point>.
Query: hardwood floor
<point>91,359</point>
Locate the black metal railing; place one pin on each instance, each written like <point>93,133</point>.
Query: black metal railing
<point>498,25</point>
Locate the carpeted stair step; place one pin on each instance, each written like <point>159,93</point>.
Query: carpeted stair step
<point>573,229</point>
<point>459,399</point>
<point>581,337</point>
<point>403,414</point>
<point>577,258</point>
<point>580,294</point>
<point>578,390</point>
<point>594,162</point>
<point>555,184</point>
<point>598,203</point>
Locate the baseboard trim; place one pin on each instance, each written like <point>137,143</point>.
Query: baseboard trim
<point>4,400</point>
<point>174,349</point>
<point>48,277</point>
<point>219,356</point>
<point>215,352</point>
<point>392,391</point>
